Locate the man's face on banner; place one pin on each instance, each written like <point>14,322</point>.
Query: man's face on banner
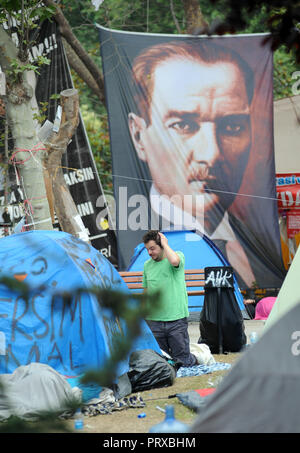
<point>199,135</point>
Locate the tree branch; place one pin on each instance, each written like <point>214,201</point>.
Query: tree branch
<point>82,71</point>
<point>8,50</point>
<point>196,23</point>
<point>56,145</point>
<point>67,33</point>
<point>174,17</point>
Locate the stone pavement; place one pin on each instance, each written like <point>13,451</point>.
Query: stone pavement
<point>251,325</point>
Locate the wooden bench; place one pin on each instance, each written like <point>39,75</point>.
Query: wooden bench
<point>194,278</point>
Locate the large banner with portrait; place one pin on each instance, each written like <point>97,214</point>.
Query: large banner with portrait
<point>191,128</point>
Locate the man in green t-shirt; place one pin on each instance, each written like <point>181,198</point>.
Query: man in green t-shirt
<point>164,271</point>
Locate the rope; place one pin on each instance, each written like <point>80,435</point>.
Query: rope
<point>33,151</point>
<point>37,148</point>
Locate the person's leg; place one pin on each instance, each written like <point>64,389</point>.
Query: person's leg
<point>179,342</point>
<point>250,309</point>
<point>159,331</point>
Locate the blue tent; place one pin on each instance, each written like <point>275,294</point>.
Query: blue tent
<point>199,251</point>
<point>70,338</point>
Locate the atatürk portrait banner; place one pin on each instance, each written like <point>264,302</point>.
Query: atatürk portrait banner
<point>191,129</point>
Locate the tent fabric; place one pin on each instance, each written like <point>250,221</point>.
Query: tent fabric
<point>195,399</point>
<point>288,296</point>
<point>34,389</point>
<point>199,252</point>
<point>260,392</point>
<point>263,308</point>
<point>71,338</point>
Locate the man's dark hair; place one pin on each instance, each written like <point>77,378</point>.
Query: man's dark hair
<point>152,235</point>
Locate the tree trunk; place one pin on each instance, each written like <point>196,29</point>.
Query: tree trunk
<point>28,158</point>
<point>195,21</point>
<point>58,192</point>
<point>28,153</point>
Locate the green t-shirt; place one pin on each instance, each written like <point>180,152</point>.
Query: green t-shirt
<point>170,281</point>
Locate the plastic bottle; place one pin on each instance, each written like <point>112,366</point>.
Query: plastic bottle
<point>78,420</point>
<point>170,424</point>
<point>253,337</point>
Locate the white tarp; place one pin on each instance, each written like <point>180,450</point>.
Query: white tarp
<point>33,390</point>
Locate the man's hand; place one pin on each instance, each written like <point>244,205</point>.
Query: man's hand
<point>163,240</point>
<point>168,252</point>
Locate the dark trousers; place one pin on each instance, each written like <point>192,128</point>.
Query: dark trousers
<point>173,338</point>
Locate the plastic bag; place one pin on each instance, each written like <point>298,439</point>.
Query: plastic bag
<point>202,353</point>
<point>148,369</point>
<point>228,322</point>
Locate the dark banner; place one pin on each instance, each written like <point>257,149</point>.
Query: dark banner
<point>78,163</point>
<point>191,127</point>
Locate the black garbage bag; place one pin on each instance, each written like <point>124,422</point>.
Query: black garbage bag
<point>221,322</point>
<point>148,369</point>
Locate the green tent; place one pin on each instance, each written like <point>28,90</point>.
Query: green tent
<point>289,295</point>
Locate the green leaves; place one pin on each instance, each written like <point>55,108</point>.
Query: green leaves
<point>23,17</point>
<point>17,68</point>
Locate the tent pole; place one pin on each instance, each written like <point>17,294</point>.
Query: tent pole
<point>219,311</point>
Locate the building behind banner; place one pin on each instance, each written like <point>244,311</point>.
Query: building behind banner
<point>287,160</point>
